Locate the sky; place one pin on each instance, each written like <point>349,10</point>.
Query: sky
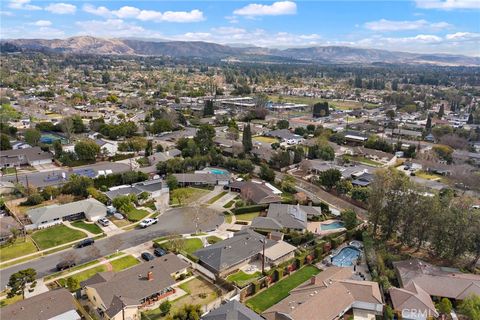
<point>422,26</point>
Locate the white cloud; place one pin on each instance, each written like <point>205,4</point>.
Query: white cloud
<point>275,9</point>
<point>448,4</point>
<point>463,36</point>
<point>113,28</point>
<point>61,8</point>
<point>390,25</point>
<point>42,23</point>
<point>232,19</point>
<point>128,12</point>
<point>22,5</point>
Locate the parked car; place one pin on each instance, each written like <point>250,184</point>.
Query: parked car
<point>85,243</point>
<point>103,222</point>
<point>159,252</point>
<point>147,256</point>
<point>148,222</point>
<point>65,265</point>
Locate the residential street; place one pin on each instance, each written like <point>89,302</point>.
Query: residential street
<point>174,221</point>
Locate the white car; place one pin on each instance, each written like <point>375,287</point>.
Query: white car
<point>148,222</point>
<point>103,221</point>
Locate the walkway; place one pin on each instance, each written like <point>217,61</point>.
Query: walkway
<point>69,224</point>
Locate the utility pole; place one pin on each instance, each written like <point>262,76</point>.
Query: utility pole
<point>16,173</point>
<point>263,254</point>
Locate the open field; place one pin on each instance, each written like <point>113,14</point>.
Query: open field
<point>55,236</point>
<point>21,247</point>
<point>280,290</point>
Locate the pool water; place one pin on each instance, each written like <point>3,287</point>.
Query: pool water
<point>346,257</point>
<point>331,226</point>
<point>218,171</point>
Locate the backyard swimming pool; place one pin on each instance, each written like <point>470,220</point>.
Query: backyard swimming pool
<point>217,171</point>
<point>331,226</point>
<point>346,257</point>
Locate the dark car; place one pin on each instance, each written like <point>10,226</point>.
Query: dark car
<point>147,256</point>
<point>65,265</point>
<point>85,243</point>
<point>159,252</point>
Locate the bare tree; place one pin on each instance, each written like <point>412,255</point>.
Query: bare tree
<point>67,127</point>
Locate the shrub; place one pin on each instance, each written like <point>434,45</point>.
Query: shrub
<point>249,209</point>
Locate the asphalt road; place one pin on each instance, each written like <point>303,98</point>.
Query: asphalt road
<point>54,177</point>
<point>173,221</point>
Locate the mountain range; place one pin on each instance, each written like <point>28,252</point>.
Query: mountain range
<point>323,54</point>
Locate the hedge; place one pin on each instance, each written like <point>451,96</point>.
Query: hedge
<point>249,209</point>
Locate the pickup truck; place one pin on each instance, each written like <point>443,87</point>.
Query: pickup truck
<point>148,222</point>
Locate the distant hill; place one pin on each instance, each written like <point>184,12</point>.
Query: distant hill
<point>326,54</point>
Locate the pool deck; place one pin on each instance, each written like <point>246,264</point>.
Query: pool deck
<point>361,268</point>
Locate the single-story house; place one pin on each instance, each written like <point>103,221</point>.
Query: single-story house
<point>355,136</point>
<point>157,190</point>
<point>56,304</point>
<point>229,255</point>
<point>285,135</point>
<point>232,310</point>
<point>108,148</point>
<point>201,179</point>
<point>90,209</point>
<point>286,216</point>
<point>363,180</point>
<point>413,302</point>
<point>375,155</point>
<point>122,294</point>
<point>328,296</point>
<point>21,157</point>
<point>317,166</point>
<point>256,192</point>
<point>7,223</point>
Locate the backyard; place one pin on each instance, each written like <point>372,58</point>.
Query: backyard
<point>55,236</point>
<point>280,290</point>
<point>247,216</point>
<point>364,160</point>
<point>91,227</point>
<point>188,245</point>
<point>199,291</point>
<point>20,247</point>
<point>241,279</point>
<point>264,139</point>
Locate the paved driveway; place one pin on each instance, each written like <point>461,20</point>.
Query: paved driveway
<point>173,221</point>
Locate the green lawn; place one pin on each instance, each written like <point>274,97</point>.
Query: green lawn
<point>190,195</point>
<point>247,216</point>
<point>229,204</point>
<point>91,227</point>
<point>189,245</point>
<point>241,279</point>
<point>265,139</point>
<point>7,301</point>
<point>84,275</point>
<point>55,236</point>
<point>136,214</point>
<point>20,248</point>
<point>124,263</point>
<point>364,161</point>
<point>213,239</point>
<point>217,197</point>
<point>280,290</point>
<point>65,272</point>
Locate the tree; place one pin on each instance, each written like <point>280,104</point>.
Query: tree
<point>161,125</point>
<point>172,182</point>
<point>321,109</point>
<point>470,119</point>
<point>470,307</point>
<point>204,138</point>
<point>349,218</point>
<point>72,283</point>
<point>57,148</point>
<point>208,109</point>
<point>149,148</point>
<point>288,184</point>
<point>247,138</point>
<point>343,186</point>
<point>329,178</point>
<point>77,185</point>
<point>428,125</point>
<point>5,142</point>
<point>87,150</point>
<point>105,77</point>
<point>180,194</point>
<point>282,124</point>
<point>395,85</point>
<point>32,137</point>
<point>19,280</point>
<point>441,111</point>
<point>165,307</point>
<point>68,127</point>
<point>444,306</point>
<point>390,114</point>
<point>267,173</point>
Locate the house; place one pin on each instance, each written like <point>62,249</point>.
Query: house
<point>157,189</point>
<point>328,296</point>
<point>57,304</point>
<point>21,157</point>
<point>355,136</point>
<point>108,148</point>
<point>437,281</point>
<point>7,224</point>
<point>229,255</point>
<point>232,310</point>
<point>285,136</point>
<point>256,192</point>
<point>348,171</point>
<point>120,295</point>
<point>90,209</point>
<point>413,303</point>
<point>286,216</point>
<point>201,179</point>
<point>375,155</point>
<point>363,180</point>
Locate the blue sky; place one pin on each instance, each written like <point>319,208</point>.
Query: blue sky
<point>440,26</point>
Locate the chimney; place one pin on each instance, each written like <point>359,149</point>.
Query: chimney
<point>313,280</point>
<point>149,275</point>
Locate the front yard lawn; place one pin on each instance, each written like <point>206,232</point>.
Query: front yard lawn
<point>217,197</point>
<point>91,227</point>
<point>365,160</point>
<point>136,214</point>
<point>56,235</point>
<point>280,290</point>
<point>241,279</point>
<point>19,248</point>
<point>213,239</point>
<point>264,139</point>
<point>7,301</point>
<point>247,216</point>
<point>124,263</point>
<point>187,195</point>
<point>188,245</point>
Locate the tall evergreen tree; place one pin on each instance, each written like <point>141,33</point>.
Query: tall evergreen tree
<point>208,109</point>
<point>247,138</point>
<point>428,125</point>
<point>470,119</point>
<point>441,111</point>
